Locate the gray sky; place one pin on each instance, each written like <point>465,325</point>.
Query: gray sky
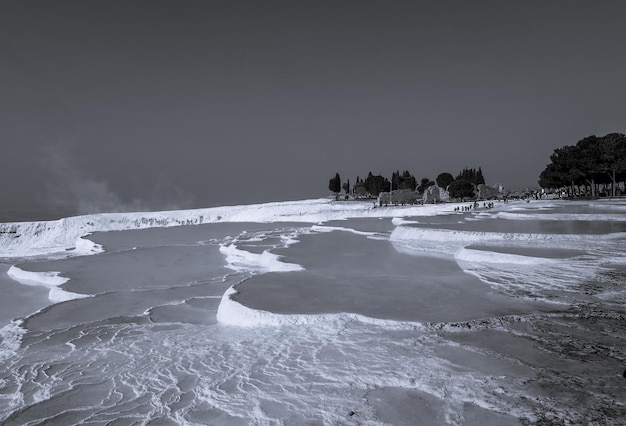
<point>108,105</point>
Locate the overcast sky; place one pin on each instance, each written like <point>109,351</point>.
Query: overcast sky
<point>108,105</point>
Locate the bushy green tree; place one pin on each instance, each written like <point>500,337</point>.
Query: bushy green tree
<point>376,184</point>
<point>444,179</point>
<point>334,184</point>
<point>407,181</point>
<point>359,187</point>
<point>614,157</point>
<point>404,180</point>
<point>593,160</point>
<point>471,175</point>
<point>480,180</point>
<point>346,186</point>
<point>424,184</point>
<point>461,188</point>
<point>551,177</point>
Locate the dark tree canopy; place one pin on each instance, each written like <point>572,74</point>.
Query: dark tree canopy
<point>551,177</point>
<point>373,185</point>
<point>424,184</point>
<point>444,179</point>
<point>335,184</point>
<point>480,180</point>
<point>593,160</point>
<point>461,188</point>
<point>403,181</point>
<point>359,188</point>
<point>471,175</point>
<point>346,186</point>
<point>376,184</point>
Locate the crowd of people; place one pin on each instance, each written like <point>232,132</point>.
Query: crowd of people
<point>475,206</point>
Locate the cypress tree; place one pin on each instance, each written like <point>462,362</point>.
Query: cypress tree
<point>346,187</point>
<point>480,180</point>
<point>334,184</point>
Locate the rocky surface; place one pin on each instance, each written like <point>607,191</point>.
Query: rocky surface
<point>434,194</point>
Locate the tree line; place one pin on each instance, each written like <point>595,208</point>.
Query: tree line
<point>461,186</point>
<point>583,167</point>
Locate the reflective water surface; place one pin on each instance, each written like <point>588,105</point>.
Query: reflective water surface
<point>513,315</point>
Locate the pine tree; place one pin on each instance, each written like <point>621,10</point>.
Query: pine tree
<point>395,180</point>
<point>471,175</point>
<point>480,180</point>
